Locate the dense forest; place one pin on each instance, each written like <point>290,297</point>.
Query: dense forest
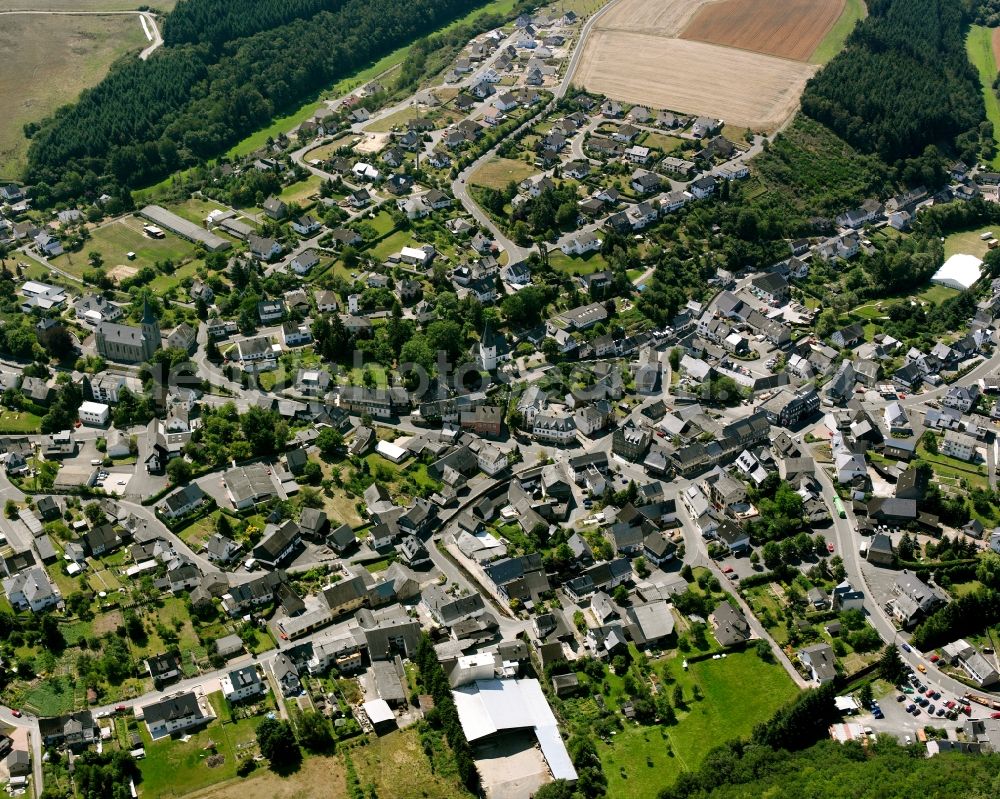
<point>988,13</point>
<point>884,770</point>
<point>902,83</point>
<point>187,103</point>
<point>219,21</point>
<point>808,171</point>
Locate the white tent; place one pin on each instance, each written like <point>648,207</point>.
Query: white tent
<point>959,272</point>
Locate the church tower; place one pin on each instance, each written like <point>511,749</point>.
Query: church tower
<point>488,350</point>
<point>150,331</point>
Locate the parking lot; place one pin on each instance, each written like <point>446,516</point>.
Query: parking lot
<point>897,721</point>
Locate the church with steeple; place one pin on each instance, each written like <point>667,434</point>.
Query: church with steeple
<point>492,350</point>
<point>129,344</point>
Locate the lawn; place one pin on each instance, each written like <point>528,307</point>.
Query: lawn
<point>381,223</point>
<point>168,612</point>
<point>396,120</point>
<point>582,8</point>
<point>833,42</point>
<point>396,766</point>
<point>195,209</point>
<point>341,508</point>
<point>739,691</point>
<point>968,242</point>
<point>324,151</point>
<point>197,533</point>
<point>162,283</point>
<point>115,239</point>
<point>662,142</point>
<point>577,265</point>
<point>936,294</point>
<point>952,468</point>
<point>302,192</point>
<point>979,46</point>
<point>391,244</point>
<point>498,172</point>
<point>176,768</point>
<point>47,61</point>
<point>19,422</point>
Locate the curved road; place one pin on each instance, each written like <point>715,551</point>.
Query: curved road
<point>146,20</point>
<point>578,48</point>
<point>847,548</point>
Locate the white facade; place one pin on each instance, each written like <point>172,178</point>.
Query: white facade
<point>242,684</point>
<point>95,414</point>
<point>959,445</point>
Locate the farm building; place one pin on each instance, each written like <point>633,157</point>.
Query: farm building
<point>185,229</point>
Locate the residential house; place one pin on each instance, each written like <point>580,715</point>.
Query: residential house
<point>172,715</point>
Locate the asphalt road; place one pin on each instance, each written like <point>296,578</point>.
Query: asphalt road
<point>574,61</point>
<point>847,545</point>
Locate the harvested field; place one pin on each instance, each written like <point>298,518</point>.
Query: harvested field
<point>47,61</point>
<point>655,17</point>
<point>785,28</point>
<point>742,88</point>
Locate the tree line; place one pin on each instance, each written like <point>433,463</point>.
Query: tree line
<point>878,769</point>
<point>217,22</point>
<point>444,716</point>
<point>188,102</point>
<point>902,83</point>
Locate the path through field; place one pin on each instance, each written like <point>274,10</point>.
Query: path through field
<point>149,27</point>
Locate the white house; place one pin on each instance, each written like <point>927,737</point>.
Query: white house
<point>304,261</point>
<point>557,429</point>
<point>95,414</point>
<point>242,684</point>
<point>959,445</point>
<point>581,244</point>
<point>419,256</point>
<point>31,590</point>
<point>172,715</point>
<point>850,465</point>
<point>895,417</point>
<point>183,501</point>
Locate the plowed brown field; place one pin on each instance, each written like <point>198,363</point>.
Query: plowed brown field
<point>634,54</point>
<point>785,28</point>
